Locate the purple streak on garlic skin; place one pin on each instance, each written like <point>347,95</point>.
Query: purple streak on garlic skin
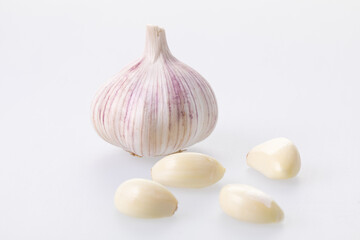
<point>157,105</point>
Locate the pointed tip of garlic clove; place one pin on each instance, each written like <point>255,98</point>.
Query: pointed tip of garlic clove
<point>249,204</point>
<point>277,159</point>
<point>144,198</point>
<point>187,170</point>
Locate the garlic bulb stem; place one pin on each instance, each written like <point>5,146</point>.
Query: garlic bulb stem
<point>156,44</point>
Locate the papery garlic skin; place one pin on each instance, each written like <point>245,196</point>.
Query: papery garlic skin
<point>249,204</point>
<point>144,199</point>
<point>157,105</point>
<point>276,159</point>
<point>187,170</point>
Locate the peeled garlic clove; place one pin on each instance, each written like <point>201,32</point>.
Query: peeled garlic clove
<point>145,199</point>
<point>187,170</point>
<point>276,159</point>
<point>249,204</point>
<point>157,105</point>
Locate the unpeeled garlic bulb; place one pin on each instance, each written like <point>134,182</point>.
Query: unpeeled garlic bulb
<point>143,198</point>
<point>247,203</point>
<point>157,105</point>
<point>187,170</point>
<point>277,159</point>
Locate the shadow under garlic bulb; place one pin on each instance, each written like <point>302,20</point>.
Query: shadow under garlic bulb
<point>157,105</point>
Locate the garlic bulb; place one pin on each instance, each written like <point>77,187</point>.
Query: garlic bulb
<point>157,105</point>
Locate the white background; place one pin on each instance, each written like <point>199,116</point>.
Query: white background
<point>278,68</point>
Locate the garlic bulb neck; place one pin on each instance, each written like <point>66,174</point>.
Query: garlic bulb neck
<point>156,44</point>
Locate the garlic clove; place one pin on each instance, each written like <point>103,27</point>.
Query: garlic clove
<point>249,204</point>
<point>155,106</point>
<point>276,159</point>
<point>145,199</point>
<point>187,170</point>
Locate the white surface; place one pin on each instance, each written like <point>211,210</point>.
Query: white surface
<point>278,68</point>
